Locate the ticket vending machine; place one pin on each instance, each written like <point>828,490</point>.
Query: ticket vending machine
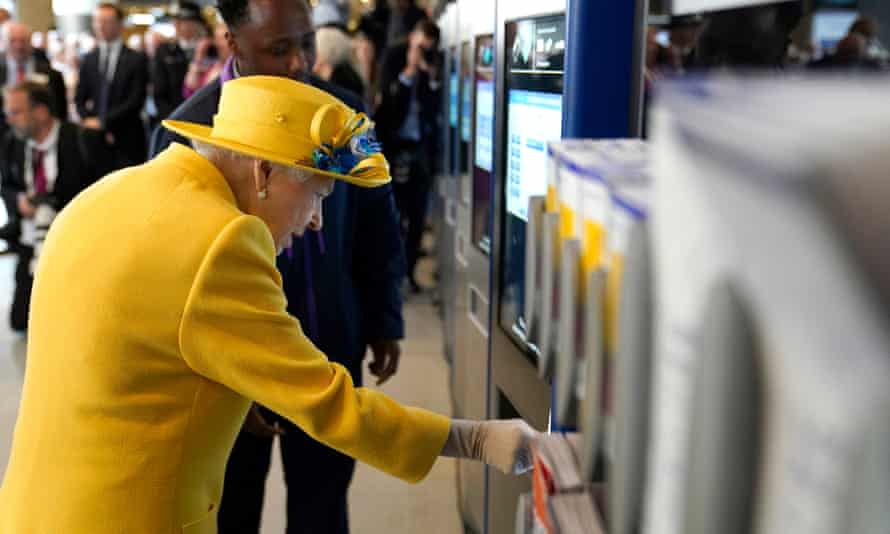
<point>774,374</point>
<point>551,56</point>
<point>472,241</point>
<point>528,106</point>
<point>447,186</point>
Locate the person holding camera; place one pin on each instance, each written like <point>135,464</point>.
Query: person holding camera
<point>45,162</point>
<point>209,61</point>
<point>407,120</point>
<point>172,60</point>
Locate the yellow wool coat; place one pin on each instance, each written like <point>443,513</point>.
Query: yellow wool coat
<point>157,313</point>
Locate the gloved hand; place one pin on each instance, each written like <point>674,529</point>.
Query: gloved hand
<point>505,445</point>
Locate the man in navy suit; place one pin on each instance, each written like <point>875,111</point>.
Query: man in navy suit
<point>341,283</point>
<point>112,87</point>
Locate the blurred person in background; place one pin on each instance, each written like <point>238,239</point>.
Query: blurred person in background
<point>173,58</point>
<point>365,51</point>
<point>746,38</point>
<point>111,88</point>
<point>209,60</point>
<point>46,163</point>
<point>342,282</point>
<point>850,54</point>
<point>335,61</point>
<point>404,19</point>
<point>875,51</point>
<point>21,63</point>
<point>153,41</point>
<point>407,123</point>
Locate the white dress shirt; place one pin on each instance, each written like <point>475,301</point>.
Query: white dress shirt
<point>12,70</point>
<point>50,149</point>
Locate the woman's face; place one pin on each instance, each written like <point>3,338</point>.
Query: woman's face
<point>291,205</point>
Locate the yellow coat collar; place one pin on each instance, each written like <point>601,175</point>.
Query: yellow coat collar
<point>199,168</point>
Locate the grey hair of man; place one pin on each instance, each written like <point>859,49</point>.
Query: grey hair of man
<point>217,154</point>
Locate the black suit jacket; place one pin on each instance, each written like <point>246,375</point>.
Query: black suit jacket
<point>125,102</point>
<point>169,70</point>
<point>396,100</point>
<point>54,81</point>
<point>357,273</point>
<point>83,158</point>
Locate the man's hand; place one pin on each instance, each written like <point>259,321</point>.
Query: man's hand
<point>26,208</point>
<point>257,425</point>
<point>385,359</point>
<point>413,61</point>
<point>201,50</point>
<point>92,123</point>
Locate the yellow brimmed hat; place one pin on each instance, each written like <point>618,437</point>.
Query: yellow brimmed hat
<point>294,124</point>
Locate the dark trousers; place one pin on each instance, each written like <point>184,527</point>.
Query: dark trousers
<point>411,187</point>
<point>21,295</point>
<point>317,479</point>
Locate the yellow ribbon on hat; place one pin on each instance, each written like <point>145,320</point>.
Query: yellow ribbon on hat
<point>329,137</point>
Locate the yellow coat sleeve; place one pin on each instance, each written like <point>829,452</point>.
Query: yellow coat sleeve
<point>236,331</point>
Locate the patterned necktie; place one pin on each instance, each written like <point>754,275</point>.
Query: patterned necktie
<point>39,171</point>
<point>20,73</point>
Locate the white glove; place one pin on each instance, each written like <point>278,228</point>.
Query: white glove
<point>505,445</point>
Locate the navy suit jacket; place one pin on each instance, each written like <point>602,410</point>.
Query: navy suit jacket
<point>356,266</point>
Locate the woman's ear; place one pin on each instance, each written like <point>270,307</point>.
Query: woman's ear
<point>262,170</point>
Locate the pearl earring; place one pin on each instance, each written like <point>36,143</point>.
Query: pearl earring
<point>262,194</point>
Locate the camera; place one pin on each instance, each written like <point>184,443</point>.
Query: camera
<point>430,56</point>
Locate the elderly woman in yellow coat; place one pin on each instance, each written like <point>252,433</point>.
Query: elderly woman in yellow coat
<point>158,315</point>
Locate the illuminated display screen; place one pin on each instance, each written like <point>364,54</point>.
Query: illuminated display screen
<point>829,27</point>
<point>535,50</point>
<point>466,105</point>
<point>453,111</point>
<point>483,158</point>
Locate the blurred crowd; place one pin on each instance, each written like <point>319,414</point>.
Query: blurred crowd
<point>178,65</point>
<point>87,104</point>
<point>689,43</point>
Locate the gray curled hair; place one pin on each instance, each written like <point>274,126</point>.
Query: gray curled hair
<point>215,153</point>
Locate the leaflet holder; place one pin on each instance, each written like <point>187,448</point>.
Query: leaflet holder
<point>570,338</point>
<point>590,385</point>
<point>633,381</point>
<point>727,399</point>
<point>533,241</point>
<point>549,295</point>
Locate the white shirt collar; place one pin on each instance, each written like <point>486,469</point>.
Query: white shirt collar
<point>51,140</point>
<point>13,64</point>
<point>113,46</point>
